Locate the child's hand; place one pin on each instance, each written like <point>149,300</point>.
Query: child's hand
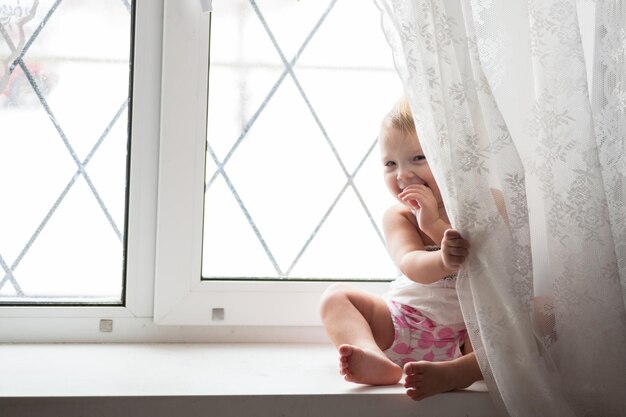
<point>454,249</point>
<point>421,197</point>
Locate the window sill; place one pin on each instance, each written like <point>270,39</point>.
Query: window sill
<point>190,379</point>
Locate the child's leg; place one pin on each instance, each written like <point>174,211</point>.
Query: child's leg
<point>360,325</point>
<point>429,378</point>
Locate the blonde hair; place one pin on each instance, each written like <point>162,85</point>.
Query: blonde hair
<point>400,116</point>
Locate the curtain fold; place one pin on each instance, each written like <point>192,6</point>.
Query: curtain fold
<point>520,108</point>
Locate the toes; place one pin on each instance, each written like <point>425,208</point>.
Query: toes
<point>344,359</point>
<point>413,378</point>
<point>416,384</point>
<point>345,351</point>
<point>415,395</point>
<point>412,368</point>
<point>347,375</point>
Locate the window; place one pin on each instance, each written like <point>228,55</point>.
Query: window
<point>64,101</point>
<point>292,168</point>
<point>290,181</point>
<point>75,317</point>
<point>168,172</point>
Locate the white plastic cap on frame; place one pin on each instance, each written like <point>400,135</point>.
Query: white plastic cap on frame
<point>207,5</point>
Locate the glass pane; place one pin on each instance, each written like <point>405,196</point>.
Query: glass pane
<point>64,89</point>
<point>294,186</point>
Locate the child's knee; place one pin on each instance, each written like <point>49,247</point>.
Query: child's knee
<point>333,295</point>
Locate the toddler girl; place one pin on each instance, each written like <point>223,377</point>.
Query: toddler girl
<point>417,326</point>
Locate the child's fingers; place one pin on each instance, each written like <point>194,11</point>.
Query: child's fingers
<point>452,234</point>
<point>416,187</point>
<point>416,201</point>
<point>411,196</point>
<point>453,238</point>
<point>457,243</point>
<point>416,190</point>
<point>455,260</point>
<point>456,251</point>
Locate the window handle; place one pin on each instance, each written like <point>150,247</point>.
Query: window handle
<point>207,5</point>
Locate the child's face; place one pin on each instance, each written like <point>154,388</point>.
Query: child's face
<point>404,163</point>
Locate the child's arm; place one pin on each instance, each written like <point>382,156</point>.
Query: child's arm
<point>406,248</point>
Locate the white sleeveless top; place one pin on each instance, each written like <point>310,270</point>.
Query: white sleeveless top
<point>438,301</point>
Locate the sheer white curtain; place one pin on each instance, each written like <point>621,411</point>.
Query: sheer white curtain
<point>528,97</point>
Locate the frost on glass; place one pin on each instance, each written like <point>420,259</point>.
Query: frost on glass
<point>64,82</point>
<point>294,187</point>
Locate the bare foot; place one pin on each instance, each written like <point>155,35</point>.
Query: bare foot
<point>364,366</point>
<point>424,379</point>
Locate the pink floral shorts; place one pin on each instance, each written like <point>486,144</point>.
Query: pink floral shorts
<point>417,338</point>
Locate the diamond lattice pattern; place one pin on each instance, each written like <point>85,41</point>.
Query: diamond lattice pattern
<point>294,186</point>
<point>64,82</point>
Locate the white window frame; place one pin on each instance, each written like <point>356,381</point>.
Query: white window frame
<point>165,300</point>
<point>181,297</point>
<point>133,320</point>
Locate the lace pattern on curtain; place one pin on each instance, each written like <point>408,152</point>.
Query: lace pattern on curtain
<point>500,96</point>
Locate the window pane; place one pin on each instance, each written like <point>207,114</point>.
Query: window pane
<point>294,186</point>
<point>64,83</point>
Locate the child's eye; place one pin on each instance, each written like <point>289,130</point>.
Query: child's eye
<point>389,164</point>
<point>418,158</point>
